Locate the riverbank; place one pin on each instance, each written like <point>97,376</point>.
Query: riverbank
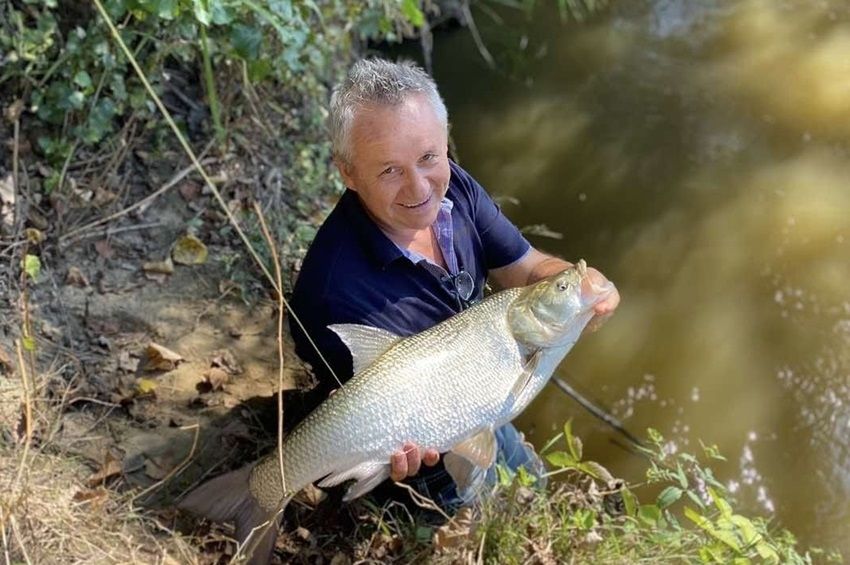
<point>137,357</point>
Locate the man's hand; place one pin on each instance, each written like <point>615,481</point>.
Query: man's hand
<point>406,462</point>
<point>602,310</point>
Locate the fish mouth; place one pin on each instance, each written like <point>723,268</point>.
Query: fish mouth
<point>418,205</point>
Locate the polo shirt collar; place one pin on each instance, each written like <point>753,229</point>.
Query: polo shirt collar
<point>381,249</point>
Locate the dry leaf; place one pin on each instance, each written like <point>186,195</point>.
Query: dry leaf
<point>34,236</point>
<point>91,496</point>
<point>216,378</point>
<point>456,531</point>
<point>160,358</point>
<point>104,249</point>
<point>311,496</point>
<point>127,362</point>
<point>160,267</point>
<point>13,111</point>
<point>7,202</point>
<point>189,191</point>
<point>189,250</point>
<point>5,360</point>
<point>225,360</point>
<point>145,387</point>
<point>75,277</point>
<point>111,468</point>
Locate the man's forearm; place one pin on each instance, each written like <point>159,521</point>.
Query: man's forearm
<point>547,266</point>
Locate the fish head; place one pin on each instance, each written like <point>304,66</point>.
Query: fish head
<point>554,311</point>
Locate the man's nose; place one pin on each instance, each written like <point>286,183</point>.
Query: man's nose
<point>417,186</point>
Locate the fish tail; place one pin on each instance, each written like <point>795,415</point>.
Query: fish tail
<point>227,498</point>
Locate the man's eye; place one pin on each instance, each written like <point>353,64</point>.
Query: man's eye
<point>387,171</point>
<point>429,157</point>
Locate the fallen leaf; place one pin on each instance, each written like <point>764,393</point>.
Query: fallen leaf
<point>127,362</point>
<point>104,249</point>
<point>216,378</point>
<point>189,250</point>
<point>160,358</point>
<point>75,277</point>
<point>111,467</point>
<point>7,202</point>
<point>5,360</point>
<point>13,111</point>
<point>189,191</point>
<point>91,496</point>
<point>456,531</point>
<point>340,559</point>
<point>103,196</point>
<point>32,266</point>
<point>161,267</point>
<point>225,360</point>
<point>311,496</point>
<point>145,387</point>
<point>34,236</point>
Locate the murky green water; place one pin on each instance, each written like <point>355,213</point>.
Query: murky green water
<point>698,153</point>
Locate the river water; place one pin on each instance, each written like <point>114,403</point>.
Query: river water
<point>698,153</point>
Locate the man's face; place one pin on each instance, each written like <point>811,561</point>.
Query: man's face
<point>399,164</point>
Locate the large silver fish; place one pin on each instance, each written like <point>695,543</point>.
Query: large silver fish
<point>448,388</point>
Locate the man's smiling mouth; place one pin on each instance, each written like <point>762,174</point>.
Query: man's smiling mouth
<point>419,205</point>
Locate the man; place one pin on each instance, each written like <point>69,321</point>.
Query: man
<point>411,242</point>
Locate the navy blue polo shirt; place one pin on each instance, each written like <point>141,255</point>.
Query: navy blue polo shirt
<point>353,273</point>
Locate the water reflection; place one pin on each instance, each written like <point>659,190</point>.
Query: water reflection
<point>697,152</point>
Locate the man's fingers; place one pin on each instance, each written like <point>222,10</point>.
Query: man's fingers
<point>413,459</point>
<point>431,457</point>
<point>398,466</point>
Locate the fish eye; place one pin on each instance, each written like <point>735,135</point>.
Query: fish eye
<point>562,286</point>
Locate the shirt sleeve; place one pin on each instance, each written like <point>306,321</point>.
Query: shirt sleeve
<point>502,242</point>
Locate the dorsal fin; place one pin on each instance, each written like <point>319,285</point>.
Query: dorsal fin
<point>366,343</point>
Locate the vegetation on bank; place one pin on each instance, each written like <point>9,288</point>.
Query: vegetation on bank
<point>254,76</point>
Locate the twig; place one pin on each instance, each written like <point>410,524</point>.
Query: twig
<point>5,542</point>
<point>182,465</point>
<point>596,411</point>
<point>13,523</point>
<point>28,416</point>
<point>144,201</point>
<point>423,501</point>
<point>122,229</point>
<point>470,21</point>
<point>280,360</point>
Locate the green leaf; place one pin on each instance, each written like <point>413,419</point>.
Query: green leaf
<point>561,459</point>
<point>668,496</point>
<point>412,13</point>
<point>76,100</point>
<point>32,266</point>
<point>680,474</point>
<point>695,498</point>
<point>82,79</point>
<point>247,41</point>
<point>649,514</point>
<point>202,11</point>
<point>630,501</point>
<point>573,443</point>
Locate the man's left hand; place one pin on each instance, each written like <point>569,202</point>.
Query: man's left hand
<point>406,463</point>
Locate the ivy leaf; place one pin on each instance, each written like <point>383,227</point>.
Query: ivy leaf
<point>32,266</point>
<point>82,79</point>
<point>246,41</point>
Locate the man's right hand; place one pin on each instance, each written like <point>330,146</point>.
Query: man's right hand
<point>407,462</point>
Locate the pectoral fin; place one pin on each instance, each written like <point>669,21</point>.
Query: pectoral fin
<point>527,372</point>
<point>364,342</point>
<point>480,449</point>
<point>468,461</point>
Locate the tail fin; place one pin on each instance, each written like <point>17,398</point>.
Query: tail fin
<point>227,498</point>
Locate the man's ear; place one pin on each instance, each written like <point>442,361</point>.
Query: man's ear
<point>346,171</point>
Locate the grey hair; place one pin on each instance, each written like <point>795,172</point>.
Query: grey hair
<point>376,82</point>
